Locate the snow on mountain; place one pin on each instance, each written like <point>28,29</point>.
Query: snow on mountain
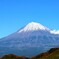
<point>33,26</point>
<point>54,31</point>
<point>31,40</point>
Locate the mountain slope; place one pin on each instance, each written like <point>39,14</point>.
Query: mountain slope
<point>34,38</point>
<point>51,54</point>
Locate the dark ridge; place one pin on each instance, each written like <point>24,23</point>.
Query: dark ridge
<point>52,50</point>
<point>45,54</point>
<point>11,56</point>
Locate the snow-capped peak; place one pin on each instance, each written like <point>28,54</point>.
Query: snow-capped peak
<point>54,31</point>
<point>33,26</point>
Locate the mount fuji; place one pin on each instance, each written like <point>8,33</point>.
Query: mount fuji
<point>29,41</point>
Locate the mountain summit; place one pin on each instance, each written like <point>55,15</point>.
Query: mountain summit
<point>33,26</point>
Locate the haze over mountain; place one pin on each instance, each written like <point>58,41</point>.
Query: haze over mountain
<point>34,38</point>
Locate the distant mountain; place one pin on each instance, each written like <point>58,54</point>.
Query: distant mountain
<point>34,38</point>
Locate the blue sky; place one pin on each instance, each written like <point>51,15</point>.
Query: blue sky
<point>14,14</point>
